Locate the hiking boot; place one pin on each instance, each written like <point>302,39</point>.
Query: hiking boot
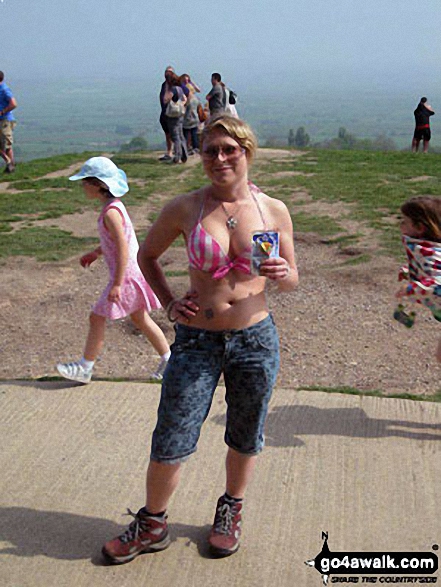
<point>75,372</point>
<point>159,372</point>
<point>225,532</point>
<point>145,534</point>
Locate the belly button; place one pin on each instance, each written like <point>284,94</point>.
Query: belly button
<point>230,303</point>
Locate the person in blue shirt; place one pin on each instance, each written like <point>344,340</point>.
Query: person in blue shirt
<point>7,123</point>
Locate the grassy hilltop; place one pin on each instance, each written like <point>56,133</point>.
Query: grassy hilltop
<point>337,329</point>
<point>327,192</point>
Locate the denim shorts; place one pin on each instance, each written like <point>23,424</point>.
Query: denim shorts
<point>249,360</point>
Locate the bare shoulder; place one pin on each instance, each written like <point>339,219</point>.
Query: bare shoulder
<point>184,207</point>
<point>113,215</point>
<point>275,207</point>
<point>176,217</point>
<point>185,201</point>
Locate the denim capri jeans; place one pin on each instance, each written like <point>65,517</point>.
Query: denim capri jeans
<point>249,360</point>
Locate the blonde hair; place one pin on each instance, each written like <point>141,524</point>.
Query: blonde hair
<point>235,128</point>
<point>425,210</point>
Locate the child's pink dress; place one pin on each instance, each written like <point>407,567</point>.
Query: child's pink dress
<point>135,291</point>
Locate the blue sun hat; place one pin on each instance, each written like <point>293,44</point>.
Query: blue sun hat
<point>104,169</point>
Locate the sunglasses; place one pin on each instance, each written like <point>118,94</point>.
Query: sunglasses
<point>230,152</point>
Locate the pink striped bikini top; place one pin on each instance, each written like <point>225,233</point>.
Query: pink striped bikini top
<point>206,254</point>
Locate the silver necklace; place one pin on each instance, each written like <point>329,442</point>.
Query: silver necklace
<point>231,222</point>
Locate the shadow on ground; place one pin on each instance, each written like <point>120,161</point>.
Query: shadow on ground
<point>286,423</point>
<point>61,535</point>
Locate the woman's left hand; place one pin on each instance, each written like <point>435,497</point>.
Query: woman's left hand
<point>275,268</point>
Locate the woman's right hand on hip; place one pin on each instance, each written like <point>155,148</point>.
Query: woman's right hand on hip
<point>184,308</point>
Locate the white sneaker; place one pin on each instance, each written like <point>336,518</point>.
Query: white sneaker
<point>75,372</point>
<point>158,374</point>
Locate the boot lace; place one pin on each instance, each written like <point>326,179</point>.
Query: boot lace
<point>224,518</point>
<point>132,532</point>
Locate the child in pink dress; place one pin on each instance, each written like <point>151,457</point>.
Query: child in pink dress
<point>127,293</point>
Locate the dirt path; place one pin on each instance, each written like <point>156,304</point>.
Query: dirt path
<point>335,330</point>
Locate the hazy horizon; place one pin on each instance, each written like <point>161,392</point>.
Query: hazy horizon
<point>321,64</point>
<point>334,40</point>
<point>61,116</point>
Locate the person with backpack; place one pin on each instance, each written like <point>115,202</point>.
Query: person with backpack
<point>175,99</point>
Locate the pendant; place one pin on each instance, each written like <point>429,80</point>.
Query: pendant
<point>231,223</point>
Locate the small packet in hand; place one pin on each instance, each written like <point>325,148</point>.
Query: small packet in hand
<point>264,246</point>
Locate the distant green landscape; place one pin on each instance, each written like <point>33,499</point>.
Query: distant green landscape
<point>66,116</point>
<point>373,185</point>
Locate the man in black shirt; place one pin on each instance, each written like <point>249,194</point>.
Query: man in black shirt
<point>422,115</point>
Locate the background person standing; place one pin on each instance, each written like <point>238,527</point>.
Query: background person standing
<point>216,97</point>
<point>191,122</point>
<point>166,87</point>
<point>175,119</point>
<point>422,114</point>
<point>7,123</point>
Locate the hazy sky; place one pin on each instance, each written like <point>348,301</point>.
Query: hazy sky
<point>387,41</point>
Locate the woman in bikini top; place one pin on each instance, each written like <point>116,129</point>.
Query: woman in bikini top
<point>206,254</point>
<point>217,222</point>
<point>222,325</point>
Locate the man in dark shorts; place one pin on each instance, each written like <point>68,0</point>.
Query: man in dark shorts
<point>422,115</point>
<point>166,87</point>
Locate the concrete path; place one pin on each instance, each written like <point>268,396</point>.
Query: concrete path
<point>73,458</point>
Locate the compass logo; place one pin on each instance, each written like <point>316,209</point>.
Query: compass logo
<point>371,563</point>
